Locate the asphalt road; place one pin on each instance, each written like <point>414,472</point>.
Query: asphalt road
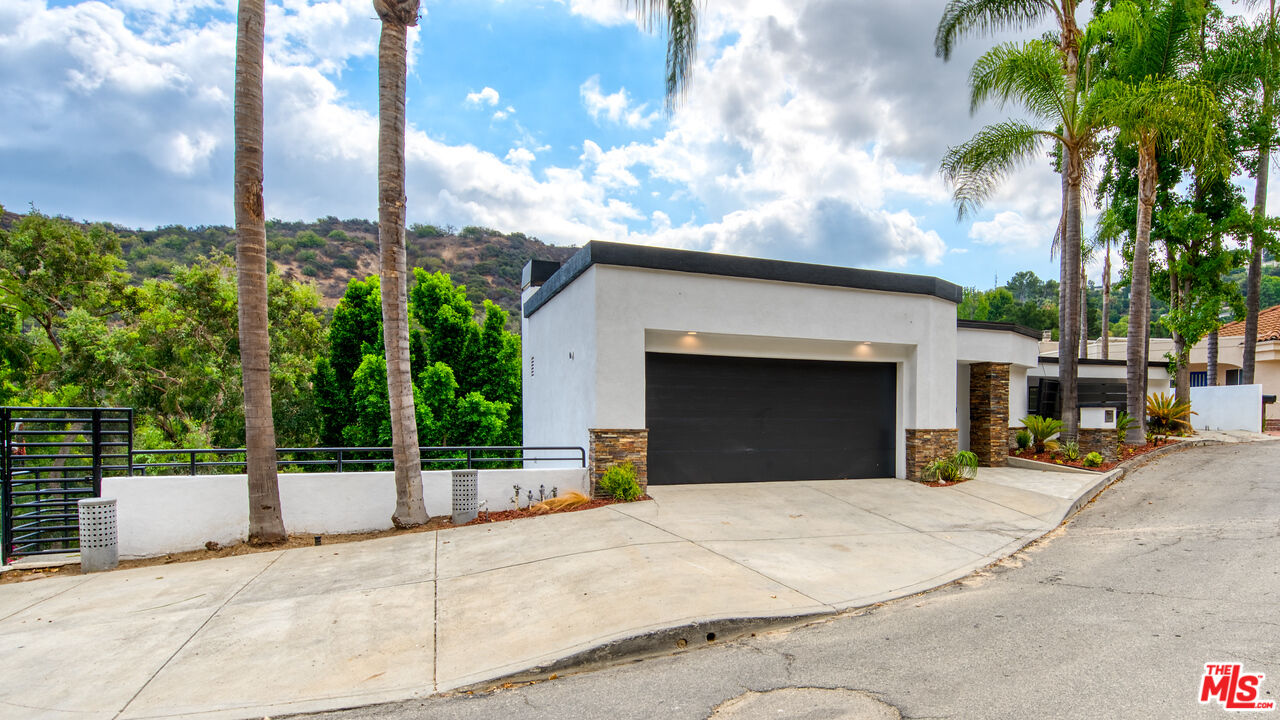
<point>1112,616</point>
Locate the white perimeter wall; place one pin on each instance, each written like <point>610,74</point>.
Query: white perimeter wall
<point>164,514</point>
<point>1227,407</point>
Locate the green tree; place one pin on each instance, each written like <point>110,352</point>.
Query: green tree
<point>48,266</point>
<point>354,332</point>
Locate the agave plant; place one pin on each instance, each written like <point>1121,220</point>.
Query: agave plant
<point>1166,415</point>
<point>950,468</point>
<point>1041,429</point>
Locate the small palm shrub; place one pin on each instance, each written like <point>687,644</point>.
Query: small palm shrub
<point>1093,459</point>
<point>1070,449</point>
<point>619,482</point>
<point>1041,429</point>
<point>1167,416</point>
<point>1023,438</point>
<point>1124,421</point>
<point>950,468</point>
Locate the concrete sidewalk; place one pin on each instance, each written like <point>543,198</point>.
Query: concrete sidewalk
<point>344,625</point>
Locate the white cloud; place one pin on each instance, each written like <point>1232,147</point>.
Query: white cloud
<point>1011,232</point>
<point>520,156</point>
<point>616,107</point>
<point>487,96</point>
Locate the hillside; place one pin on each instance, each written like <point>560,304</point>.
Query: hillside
<point>330,252</point>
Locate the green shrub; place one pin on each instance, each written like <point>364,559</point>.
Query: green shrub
<point>1041,429</point>
<point>339,236</point>
<point>1023,439</point>
<point>1124,421</point>
<point>1166,415</point>
<point>307,256</point>
<point>310,270</point>
<point>1093,459</point>
<point>1070,449</point>
<point>950,468</point>
<point>619,482</point>
<point>308,239</point>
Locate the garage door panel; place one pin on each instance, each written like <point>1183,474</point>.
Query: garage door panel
<point>724,419</point>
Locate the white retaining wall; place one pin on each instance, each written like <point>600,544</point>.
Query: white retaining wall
<point>1227,407</point>
<point>165,514</point>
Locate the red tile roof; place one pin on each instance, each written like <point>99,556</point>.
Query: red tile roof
<point>1268,325</point>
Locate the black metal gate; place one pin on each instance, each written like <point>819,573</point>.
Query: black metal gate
<point>50,458</point>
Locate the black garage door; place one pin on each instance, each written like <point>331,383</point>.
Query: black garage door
<point>730,419</point>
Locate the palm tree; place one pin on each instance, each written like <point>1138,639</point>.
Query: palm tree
<point>1106,236</point>
<point>962,17</point>
<point>1155,106</point>
<point>265,522</point>
<point>397,17</point>
<point>1267,71</point>
<point>1030,75</point>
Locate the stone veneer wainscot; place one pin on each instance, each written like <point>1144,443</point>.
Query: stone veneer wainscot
<point>615,447</point>
<point>926,445</point>
<point>989,412</point>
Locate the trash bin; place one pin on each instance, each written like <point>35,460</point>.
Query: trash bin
<point>99,546</point>
<point>464,496</point>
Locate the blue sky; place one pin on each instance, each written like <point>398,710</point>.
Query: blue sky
<point>812,130</point>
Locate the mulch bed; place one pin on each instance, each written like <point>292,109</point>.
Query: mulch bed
<point>1126,452</point>
<point>502,515</point>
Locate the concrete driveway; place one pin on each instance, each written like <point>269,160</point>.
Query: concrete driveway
<point>391,619</point>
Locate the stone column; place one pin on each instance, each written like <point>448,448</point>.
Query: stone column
<point>989,413</point>
<point>615,447</point>
<point>926,445</point>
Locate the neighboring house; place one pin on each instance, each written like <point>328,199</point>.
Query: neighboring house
<point>700,367</point>
<point>1266,370</point>
<point>1230,356</point>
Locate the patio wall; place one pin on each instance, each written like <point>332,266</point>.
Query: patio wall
<point>164,514</point>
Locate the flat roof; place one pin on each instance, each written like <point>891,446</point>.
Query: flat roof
<point>704,263</point>
<point>1053,360</point>
<point>1003,326</point>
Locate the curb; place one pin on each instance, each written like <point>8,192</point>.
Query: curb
<point>1019,462</point>
<point>651,644</point>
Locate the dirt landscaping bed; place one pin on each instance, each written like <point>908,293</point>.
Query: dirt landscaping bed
<point>1126,452</point>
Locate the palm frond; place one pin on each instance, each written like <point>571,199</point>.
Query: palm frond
<point>976,168</point>
<point>981,17</point>
<point>679,18</point>
<point>1028,73</point>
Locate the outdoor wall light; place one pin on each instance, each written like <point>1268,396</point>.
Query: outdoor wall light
<point>692,332</point>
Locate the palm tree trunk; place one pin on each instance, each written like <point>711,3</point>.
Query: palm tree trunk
<point>1253,290</point>
<point>1212,369</point>
<point>1140,294</point>
<point>1106,303</point>
<point>1181,373</point>
<point>396,16</point>
<point>1084,311</point>
<point>266,525</point>
<point>1068,364</point>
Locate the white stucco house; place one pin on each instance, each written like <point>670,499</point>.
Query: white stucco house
<point>701,367</point>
